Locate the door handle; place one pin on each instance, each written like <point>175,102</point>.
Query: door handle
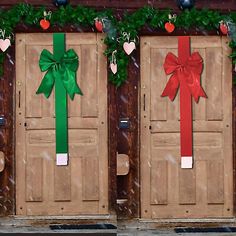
<point>144,101</point>
<point>19,97</point>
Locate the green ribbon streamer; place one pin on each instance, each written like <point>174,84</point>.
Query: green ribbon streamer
<point>61,70</point>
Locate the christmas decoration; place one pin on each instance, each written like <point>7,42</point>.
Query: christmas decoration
<point>99,25</point>
<point>113,67</point>
<point>61,70</point>
<point>186,72</point>
<point>169,26</point>
<point>5,43</point>
<point>231,30</point>
<point>128,46</point>
<point>113,64</point>
<point>59,3</point>
<point>109,28</point>
<point>223,28</point>
<point>151,17</point>
<point>106,25</point>
<point>185,4</point>
<point>44,23</point>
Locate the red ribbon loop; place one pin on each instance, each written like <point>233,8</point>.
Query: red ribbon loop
<point>189,73</point>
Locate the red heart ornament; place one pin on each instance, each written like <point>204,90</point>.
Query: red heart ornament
<point>129,47</point>
<point>113,67</point>
<point>5,44</point>
<point>169,27</point>
<point>224,28</point>
<point>99,25</point>
<point>45,24</point>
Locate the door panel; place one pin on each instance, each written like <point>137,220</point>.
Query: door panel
<point>42,188</point>
<point>167,191</point>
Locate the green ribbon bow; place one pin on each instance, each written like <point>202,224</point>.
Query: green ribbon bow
<point>65,69</point>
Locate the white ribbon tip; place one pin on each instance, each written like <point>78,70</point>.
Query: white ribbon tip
<point>62,159</point>
<point>187,162</point>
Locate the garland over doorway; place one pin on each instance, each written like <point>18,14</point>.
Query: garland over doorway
<point>121,33</point>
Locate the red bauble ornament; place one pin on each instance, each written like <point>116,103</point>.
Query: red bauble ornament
<point>170,27</point>
<point>99,25</point>
<point>224,28</point>
<point>45,24</point>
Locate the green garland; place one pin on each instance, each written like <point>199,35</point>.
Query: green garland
<point>130,23</point>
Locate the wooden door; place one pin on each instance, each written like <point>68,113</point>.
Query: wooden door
<point>42,188</point>
<point>167,191</point>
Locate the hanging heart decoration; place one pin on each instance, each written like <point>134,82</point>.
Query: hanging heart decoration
<point>113,67</point>
<point>5,44</point>
<point>113,64</point>
<point>129,47</point>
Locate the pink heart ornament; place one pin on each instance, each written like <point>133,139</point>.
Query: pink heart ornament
<point>5,44</point>
<point>129,47</point>
<point>113,68</point>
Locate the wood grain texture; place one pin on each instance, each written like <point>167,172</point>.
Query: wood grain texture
<point>156,61</point>
<point>187,186</point>
<point>34,180</point>
<point>213,69</point>
<point>205,190</point>
<point>89,72</point>
<point>58,193</point>
<point>215,182</point>
<point>90,177</point>
<point>112,146</point>
<point>6,137</point>
<point>62,183</point>
<point>128,186</point>
<point>7,177</point>
<point>234,144</point>
<point>159,182</point>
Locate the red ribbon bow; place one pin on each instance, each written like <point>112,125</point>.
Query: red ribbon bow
<point>189,73</point>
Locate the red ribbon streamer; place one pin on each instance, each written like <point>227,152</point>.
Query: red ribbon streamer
<point>186,73</point>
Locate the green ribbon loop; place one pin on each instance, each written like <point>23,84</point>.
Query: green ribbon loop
<point>65,69</point>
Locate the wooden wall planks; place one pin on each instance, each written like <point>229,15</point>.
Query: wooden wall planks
<point>7,178</point>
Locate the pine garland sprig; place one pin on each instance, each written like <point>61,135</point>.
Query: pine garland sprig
<point>130,23</point>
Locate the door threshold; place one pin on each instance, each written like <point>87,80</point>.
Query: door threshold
<point>187,220</point>
<point>80,217</point>
<point>46,221</point>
